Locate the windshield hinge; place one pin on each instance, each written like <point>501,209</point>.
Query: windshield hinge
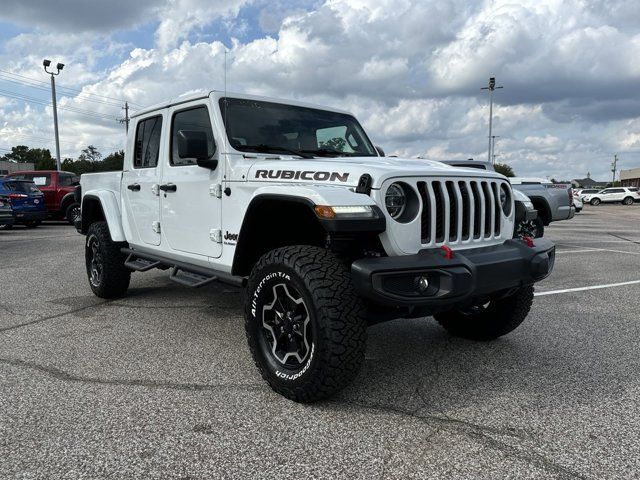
<point>215,190</point>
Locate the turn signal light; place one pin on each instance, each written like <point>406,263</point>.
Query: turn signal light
<point>325,212</point>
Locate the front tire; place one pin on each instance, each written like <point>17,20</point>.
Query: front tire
<point>489,321</point>
<point>532,228</point>
<point>595,201</point>
<point>628,201</point>
<point>108,277</point>
<point>305,325</point>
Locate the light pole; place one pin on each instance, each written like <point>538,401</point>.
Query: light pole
<point>59,67</point>
<point>493,148</point>
<point>491,88</point>
<point>614,164</point>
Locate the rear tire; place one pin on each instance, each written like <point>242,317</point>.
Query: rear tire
<point>305,325</point>
<point>595,201</point>
<point>108,277</point>
<point>489,321</point>
<point>627,201</point>
<point>6,226</point>
<point>72,212</point>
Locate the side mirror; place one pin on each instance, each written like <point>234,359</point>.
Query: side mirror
<point>193,144</point>
<point>380,151</point>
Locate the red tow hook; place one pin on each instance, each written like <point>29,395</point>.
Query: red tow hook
<point>448,253</point>
<point>528,241</point>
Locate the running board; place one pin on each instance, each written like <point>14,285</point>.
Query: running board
<point>190,279</point>
<point>140,264</point>
<point>182,273</point>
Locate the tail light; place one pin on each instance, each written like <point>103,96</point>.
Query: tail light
<point>13,196</point>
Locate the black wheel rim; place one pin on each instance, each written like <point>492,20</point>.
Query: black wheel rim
<point>527,229</point>
<point>95,262</point>
<point>75,214</point>
<point>287,326</point>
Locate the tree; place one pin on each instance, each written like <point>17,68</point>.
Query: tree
<point>90,154</point>
<point>37,156</point>
<point>113,161</point>
<point>504,169</point>
<point>335,143</point>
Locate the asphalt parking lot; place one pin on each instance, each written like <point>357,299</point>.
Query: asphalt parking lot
<point>160,384</point>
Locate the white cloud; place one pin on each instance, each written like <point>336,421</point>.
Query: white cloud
<point>411,71</point>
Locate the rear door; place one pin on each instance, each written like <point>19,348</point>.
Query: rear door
<point>141,179</point>
<point>191,206</point>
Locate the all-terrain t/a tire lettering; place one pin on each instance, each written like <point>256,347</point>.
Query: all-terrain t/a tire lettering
<point>108,277</point>
<point>305,326</point>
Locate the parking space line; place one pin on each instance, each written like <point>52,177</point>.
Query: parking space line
<point>592,287</point>
<point>580,251</point>
<point>595,249</point>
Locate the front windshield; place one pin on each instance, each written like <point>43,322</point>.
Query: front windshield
<point>256,126</point>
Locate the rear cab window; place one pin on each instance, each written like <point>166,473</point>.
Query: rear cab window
<point>147,142</point>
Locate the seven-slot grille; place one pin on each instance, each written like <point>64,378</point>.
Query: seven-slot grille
<point>455,211</point>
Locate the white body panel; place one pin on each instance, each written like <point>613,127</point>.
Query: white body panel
<point>189,217</point>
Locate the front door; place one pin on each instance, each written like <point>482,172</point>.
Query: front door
<point>191,207</point>
<point>141,181</point>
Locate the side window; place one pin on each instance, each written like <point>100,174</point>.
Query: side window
<point>147,142</point>
<point>192,119</point>
<point>65,180</point>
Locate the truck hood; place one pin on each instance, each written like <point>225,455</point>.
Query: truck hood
<point>346,171</point>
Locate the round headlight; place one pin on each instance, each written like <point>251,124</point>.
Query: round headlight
<point>505,199</point>
<point>395,200</point>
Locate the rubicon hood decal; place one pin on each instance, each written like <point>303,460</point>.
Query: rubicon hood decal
<point>319,176</point>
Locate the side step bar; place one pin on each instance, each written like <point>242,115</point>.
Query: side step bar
<point>190,279</point>
<point>140,264</point>
<point>182,273</point>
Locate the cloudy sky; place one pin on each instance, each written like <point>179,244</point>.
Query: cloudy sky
<point>411,71</point>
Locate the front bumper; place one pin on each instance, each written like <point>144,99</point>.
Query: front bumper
<point>470,274</point>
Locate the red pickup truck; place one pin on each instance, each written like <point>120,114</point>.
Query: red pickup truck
<point>58,188</point>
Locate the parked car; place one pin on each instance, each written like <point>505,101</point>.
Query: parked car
<point>577,203</point>
<point>553,201</point>
<point>527,223</point>
<point>58,189</point>
<point>26,200</point>
<point>587,191</point>
<point>6,212</point>
<point>624,195</point>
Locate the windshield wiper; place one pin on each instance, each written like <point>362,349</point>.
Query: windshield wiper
<point>328,152</point>
<point>275,149</point>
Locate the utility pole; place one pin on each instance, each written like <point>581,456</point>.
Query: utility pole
<point>46,63</point>
<point>125,120</point>
<point>491,88</point>
<point>613,168</point>
<point>493,148</point>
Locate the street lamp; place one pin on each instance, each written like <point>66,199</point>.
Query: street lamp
<point>491,88</point>
<point>46,63</point>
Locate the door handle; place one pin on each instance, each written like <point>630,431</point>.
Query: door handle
<point>134,187</point>
<point>168,187</point>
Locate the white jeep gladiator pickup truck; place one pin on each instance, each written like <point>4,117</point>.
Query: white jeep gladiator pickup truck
<point>294,203</point>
